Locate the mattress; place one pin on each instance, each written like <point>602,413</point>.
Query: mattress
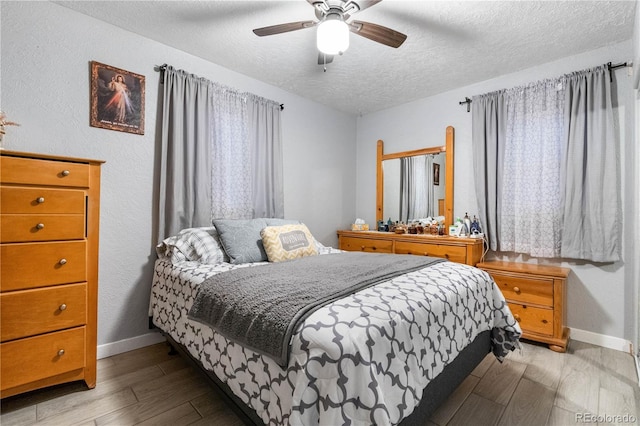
<point>366,358</point>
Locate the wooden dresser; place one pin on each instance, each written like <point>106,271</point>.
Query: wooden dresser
<point>456,249</point>
<point>536,297</point>
<point>49,219</point>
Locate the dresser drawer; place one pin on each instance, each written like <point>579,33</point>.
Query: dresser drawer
<point>30,312</point>
<point>366,244</point>
<point>532,319</point>
<point>34,358</point>
<point>523,289</point>
<point>26,171</point>
<point>453,253</point>
<point>17,228</point>
<point>17,199</point>
<point>30,265</point>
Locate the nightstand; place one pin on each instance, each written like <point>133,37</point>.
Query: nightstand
<point>536,297</point>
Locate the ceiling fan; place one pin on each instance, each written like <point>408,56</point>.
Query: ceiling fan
<point>334,27</point>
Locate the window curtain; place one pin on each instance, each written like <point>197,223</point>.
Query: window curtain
<point>221,154</point>
<point>591,222</point>
<point>185,169</point>
<point>416,187</point>
<point>545,166</point>
<point>488,136</point>
<point>531,199</point>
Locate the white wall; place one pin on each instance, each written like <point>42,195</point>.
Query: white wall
<point>46,50</point>
<point>636,274</point>
<point>599,295</point>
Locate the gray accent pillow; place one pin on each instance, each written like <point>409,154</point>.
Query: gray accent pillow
<point>241,238</point>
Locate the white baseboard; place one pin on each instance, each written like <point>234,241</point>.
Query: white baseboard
<point>603,340</point>
<point>126,345</point>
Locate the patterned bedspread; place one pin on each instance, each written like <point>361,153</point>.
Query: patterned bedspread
<point>365,358</point>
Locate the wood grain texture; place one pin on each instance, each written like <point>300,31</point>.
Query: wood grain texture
<point>49,229</point>
<point>148,387</point>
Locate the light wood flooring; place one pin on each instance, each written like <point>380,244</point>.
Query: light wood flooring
<point>533,387</point>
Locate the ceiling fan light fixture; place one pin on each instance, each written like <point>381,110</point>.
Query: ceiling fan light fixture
<point>333,36</point>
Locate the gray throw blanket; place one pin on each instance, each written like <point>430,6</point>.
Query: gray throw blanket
<point>260,307</point>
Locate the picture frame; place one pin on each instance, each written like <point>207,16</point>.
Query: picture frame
<point>436,174</point>
<point>117,99</point>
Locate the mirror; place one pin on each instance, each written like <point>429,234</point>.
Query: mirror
<point>389,176</point>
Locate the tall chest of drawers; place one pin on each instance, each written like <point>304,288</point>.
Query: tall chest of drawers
<point>49,229</point>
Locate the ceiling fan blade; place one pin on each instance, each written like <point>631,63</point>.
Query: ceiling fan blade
<point>377,33</point>
<point>323,58</point>
<point>283,28</point>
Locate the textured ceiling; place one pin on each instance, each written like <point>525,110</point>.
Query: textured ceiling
<point>450,43</point>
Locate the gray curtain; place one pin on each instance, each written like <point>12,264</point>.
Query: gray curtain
<point>591,224</point>
<point>416,188</point>
<point>488,136</point>
<point>221,154</point>
<point>265,136</point>
<point>185,183</point>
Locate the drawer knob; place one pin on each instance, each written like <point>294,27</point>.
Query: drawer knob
<point>517,317</point>
<point>426,254</point>
<point>40,226</point>
<point>61,352</point>
<point>362,248</point>
<point>516,289</point>
<point>65,173</point>
<point>62,261</point>
<point>40,200</point>
<point>63,307</point>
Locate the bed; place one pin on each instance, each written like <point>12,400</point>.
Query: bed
<point>389,353</point>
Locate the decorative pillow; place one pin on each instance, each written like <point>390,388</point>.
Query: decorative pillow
<point>193,244</point>
<point>288,242</point>
<point>241,238</point>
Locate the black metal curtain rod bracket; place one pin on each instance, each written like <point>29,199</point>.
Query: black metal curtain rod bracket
<point>612,67</point>
<point>466,101</point>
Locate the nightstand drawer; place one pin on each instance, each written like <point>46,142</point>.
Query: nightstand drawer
<point>30,312</point>
<point>532,319</point>
<point>523,289</point>
<point>21,228</point>
<point>31,265</point>
<point>455,254</point>
<point>366,244</point>
<point>41,200</point>
<point>35,358</point>
<point>43,172</point>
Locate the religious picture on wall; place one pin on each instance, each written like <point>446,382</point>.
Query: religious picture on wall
<point>436,174</point>
<point>117,99</point>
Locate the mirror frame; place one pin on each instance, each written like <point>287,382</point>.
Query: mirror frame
<point>448,179</point>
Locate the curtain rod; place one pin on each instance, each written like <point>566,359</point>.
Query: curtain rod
<point>163,67</point>
<point>610,66</point>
